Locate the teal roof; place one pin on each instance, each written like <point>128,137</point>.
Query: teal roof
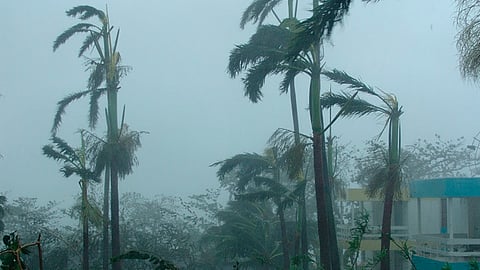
<point>445,188</point>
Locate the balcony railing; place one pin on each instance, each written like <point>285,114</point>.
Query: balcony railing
<point>373,232</point>
<point>438,246</point>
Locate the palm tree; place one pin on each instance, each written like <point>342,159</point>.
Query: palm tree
<point>263,170</point>
<point>244,235</point>
<point>352,106</point>
<point>267,53</point>
<point>256,12</point>
<point>104,79</point>
<point>75,162</point>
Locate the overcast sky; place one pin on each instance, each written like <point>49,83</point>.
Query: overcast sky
<point>180,93</point>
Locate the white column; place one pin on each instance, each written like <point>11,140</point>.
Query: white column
<point>450,217</point>
<point>419,215</point>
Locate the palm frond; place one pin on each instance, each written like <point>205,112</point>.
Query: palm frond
<point>342,78</point>
<point>355,107</point>
<point>64,148</point>
<point>319,25</point>
<point>61,106</point>
<point>255,79</point>
<point>88,42</point>
<point>257,11</point>
<point>293,160</point>
<point>50,152</point>
<point>120,153</point>
<point>86,12</point>
<point>78,28</point>
<point>271,184</point>
<point>269,41</point>
<point>93,112</point>
<point>249,164</point>
<point>289,76</point>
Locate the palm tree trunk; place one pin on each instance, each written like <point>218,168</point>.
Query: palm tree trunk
<point>301,239</point>
<point>393,178</point>
<point>386,225</point>
<point>85,263</point>
<point>115,218</point>
<point>330,259</point>
<point>106,220</point>
<point>322,217</point>
<point>283,228</point>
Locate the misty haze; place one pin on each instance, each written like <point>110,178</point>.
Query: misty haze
<point>240,134</point>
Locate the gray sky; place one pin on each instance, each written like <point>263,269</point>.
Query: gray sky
<point>179,91</point>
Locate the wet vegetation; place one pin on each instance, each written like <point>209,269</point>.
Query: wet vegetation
<point>283,204</point>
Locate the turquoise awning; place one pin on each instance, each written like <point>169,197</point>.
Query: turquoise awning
<point>445,188</point>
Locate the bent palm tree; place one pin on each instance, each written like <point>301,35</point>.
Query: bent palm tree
<point>356,107</point>
<point>105,75</point>
<point>75,162</point>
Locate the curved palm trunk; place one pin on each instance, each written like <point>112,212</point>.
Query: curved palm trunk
<point>393,175</point>
<point>85,261</point>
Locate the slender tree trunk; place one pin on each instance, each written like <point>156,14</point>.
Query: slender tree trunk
<point>106,220</point>
<point>301,239</point>
<point>322,217</point>
<point>115,218</point>
<point>326,223</point>
<point>387,224</point>
<point>112,84</point>
<point>283,228</point>
<point>85,234</point>
<point>393,178</point>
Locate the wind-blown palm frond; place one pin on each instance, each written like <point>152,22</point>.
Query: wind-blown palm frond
<point>249,164</point>
<point>320,25</point>
<point>268,42</point>
<point>342,78</point>
<point>294,69</point>
<point>88,42</point>
<point>60,151</point>
<point>255,79</point>
<point>86,12</point>
<point>78,28</point>
<point>93,112</point>
<point>62,105</point>
<point>262,56</point>
<point>355,107</point>
<point>257,11</point>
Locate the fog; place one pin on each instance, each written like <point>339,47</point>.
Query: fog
<point>195,114</point>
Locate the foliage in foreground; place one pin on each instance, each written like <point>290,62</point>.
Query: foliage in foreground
<point>159,263</point>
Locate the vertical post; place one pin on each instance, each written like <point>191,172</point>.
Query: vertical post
<point>419,215</point>
<point>450,217</point>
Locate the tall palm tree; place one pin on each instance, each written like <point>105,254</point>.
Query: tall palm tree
<point>352,106</point>
<point>105,75</point>
<point>75,162</point>
<point>265,171</point>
